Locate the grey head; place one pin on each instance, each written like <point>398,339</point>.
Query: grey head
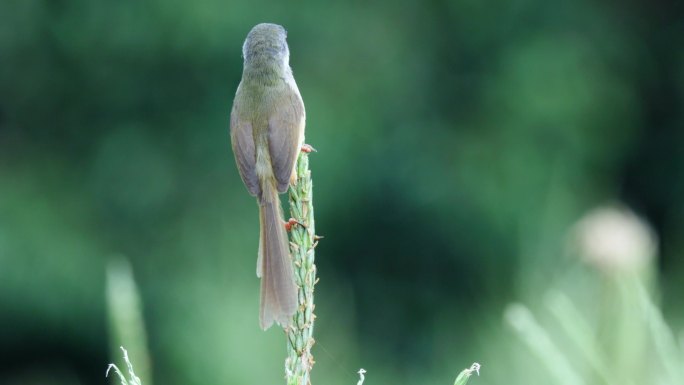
<point>266,43</point>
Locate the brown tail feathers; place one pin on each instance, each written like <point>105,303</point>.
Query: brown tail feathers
<point>278,290</point>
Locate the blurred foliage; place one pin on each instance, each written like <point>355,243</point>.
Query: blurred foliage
<point>458,141</point>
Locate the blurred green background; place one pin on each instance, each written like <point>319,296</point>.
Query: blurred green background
<point>458,142</point>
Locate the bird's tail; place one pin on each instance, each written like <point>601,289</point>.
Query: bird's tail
<point>274,266</point>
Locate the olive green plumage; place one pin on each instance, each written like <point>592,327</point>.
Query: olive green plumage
<point>267,132</point>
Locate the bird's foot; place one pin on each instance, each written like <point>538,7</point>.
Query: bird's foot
<point>291,222</point>
<point>307,148</point>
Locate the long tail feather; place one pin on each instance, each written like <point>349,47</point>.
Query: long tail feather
<point>278,290</point>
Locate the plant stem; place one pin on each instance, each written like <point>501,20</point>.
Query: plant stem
<point>127,327</point>
<point>303,241</point>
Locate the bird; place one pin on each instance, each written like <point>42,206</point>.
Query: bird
<point>267,124</point>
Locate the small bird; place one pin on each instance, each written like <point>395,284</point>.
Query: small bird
<point>267,132</point>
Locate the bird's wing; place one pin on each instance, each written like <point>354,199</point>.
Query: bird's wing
<point>242,139</point>
<point>285,135</point>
